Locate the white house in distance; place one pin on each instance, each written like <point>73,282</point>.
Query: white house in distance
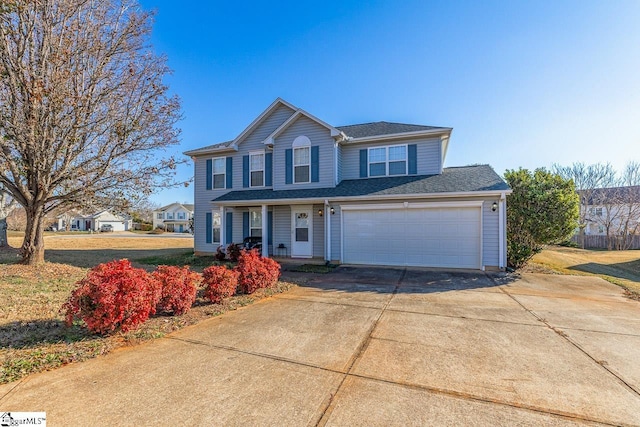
<point>175,217</point>
<point>81,222</point>
<point>371,193</point>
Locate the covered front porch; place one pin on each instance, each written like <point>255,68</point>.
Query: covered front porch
<point>296,231</point>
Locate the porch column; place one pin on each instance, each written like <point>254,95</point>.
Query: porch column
<point>501,230</point>
<point>265,232</point>
<point>327,230</point>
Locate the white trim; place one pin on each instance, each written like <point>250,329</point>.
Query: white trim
<point>374,138</point>
<point>293,161</point>
<point>501,241</point>
<point>308,208</point>
<point>327,230</point>
<point>264,166</point>
<point>213,181</point>
<point>335,133</point>
<point>258,120</point>
<point>387,160</point>
<point>297,201</point>
<point>481,248</point>
<point>265,231</point>
<point>425,205</point>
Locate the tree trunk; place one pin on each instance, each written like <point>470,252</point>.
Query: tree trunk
<point>32,250</point>
<point>3,232</point>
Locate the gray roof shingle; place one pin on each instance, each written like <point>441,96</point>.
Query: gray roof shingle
<point>382,128</point>
<point>452,180</point>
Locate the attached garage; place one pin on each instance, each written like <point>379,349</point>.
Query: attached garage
<point>117,225</point>
<point>447,235</point>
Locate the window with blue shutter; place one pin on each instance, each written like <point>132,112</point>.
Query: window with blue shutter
<point>209,228</point>
<point>245,171</point>
<point>288,166</point>
<point>209,174</point>
<point>229,172</point>
<point>315,163</point>
<point>364,163</point>
<point>268,169</point>
<point>413,159</point>
<point>228,234</point>
<point>245,224</point>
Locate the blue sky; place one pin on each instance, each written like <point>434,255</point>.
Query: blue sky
<point>521,83</point>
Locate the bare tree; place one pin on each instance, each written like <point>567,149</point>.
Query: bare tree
<point>587,179</point>
<point>629,199</point>
<point>85,117</point>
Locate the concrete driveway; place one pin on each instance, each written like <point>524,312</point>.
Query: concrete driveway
<point>373,346</point>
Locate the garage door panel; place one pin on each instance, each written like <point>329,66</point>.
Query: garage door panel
<point>433,237</point>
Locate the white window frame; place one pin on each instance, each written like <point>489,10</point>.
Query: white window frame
<point>181,215</point>
<point>257,211</point>
<point>213,173</point>
<point>387,161</point>
<point>251,154</point>
<point>214,227</point>
<point>308,164</point>
<point>169,215</point>
<point>160,215</point>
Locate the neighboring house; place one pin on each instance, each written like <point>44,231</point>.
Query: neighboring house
<point>82,222</point>
<point>373,193</point>
<point>175,217</point>
<point>611,211</point>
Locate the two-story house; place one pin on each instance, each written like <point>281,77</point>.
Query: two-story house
<point>373,193</point>
<point>175,217</point>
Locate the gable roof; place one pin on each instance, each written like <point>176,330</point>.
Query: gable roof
<point>612,195</point>
<point>365,130</point>
<point>295,116</point>
<point>187,206</point>
<point>466,179</point>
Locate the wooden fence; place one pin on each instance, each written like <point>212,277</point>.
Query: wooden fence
<point>602,242</point>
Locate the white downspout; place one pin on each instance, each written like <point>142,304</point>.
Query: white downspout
<point>265,233</point>
<point>327,230</point>
<point>501,230</point>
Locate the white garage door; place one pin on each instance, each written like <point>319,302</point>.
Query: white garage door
<point>428,237</point>
<point>117,225</point>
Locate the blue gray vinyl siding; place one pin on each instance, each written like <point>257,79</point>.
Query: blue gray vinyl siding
<point>320,137</point>
<point>428,156</point>
<point>339,163</point>
<point>282,227</point>
<point>490,234</point>
<point>254,141</point>
<point>318,232</point>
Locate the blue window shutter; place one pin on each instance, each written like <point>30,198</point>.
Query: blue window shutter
<point>245,171</point>
<point>413,159</point>
<point>288,166</point>
<point>268,169</point>
<point>245,224</point>
<point>209,174</point>
<point>229,172</point>
<point>209,225</point>
<point>315,163</point>
<point>363,163</point>
<point>229,228</point>
<point>270,229</point>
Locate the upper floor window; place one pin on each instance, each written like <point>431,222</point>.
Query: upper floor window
<point>301,160</point>
<point>160,215</point>
<point>219,172</point>
<point>169,215</point>
<point>256,169</point>
<point>390,160</point>
<point>181,215</point>
<point>595,211</point>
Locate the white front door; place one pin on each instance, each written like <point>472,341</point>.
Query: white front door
<point>302,231</point>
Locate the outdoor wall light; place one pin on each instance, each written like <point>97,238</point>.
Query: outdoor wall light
<point>333,211</point>
<point>320,213</point>
<point>494,206</point>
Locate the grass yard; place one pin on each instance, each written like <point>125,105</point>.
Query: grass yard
<point>619,267</point>
<point>33,336</point>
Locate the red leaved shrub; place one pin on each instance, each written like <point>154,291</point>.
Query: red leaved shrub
<point>256,272</point>
<point>177,288</point>
<point>113,296</point>
<point>219,283</point>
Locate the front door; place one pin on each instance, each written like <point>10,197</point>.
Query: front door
<point>302,231</point>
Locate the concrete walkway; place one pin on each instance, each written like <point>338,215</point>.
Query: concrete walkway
<point>372,346</point>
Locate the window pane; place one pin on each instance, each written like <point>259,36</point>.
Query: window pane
<point>255,219</point>
<point>397,168</point>
<point>257,179</point>
<point>301,174</point>
<point>301,156</point>
<point>377,169</point>
<point>218,181</point>
<point>256,232</point>
<point>219,166</point>
<point>216,219</point>
<point>302,220</point>
<point>216,235</point>
<point>398,153</point>
<point>302,234</point>
<point>377,155</point>
<point>257,162</point>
